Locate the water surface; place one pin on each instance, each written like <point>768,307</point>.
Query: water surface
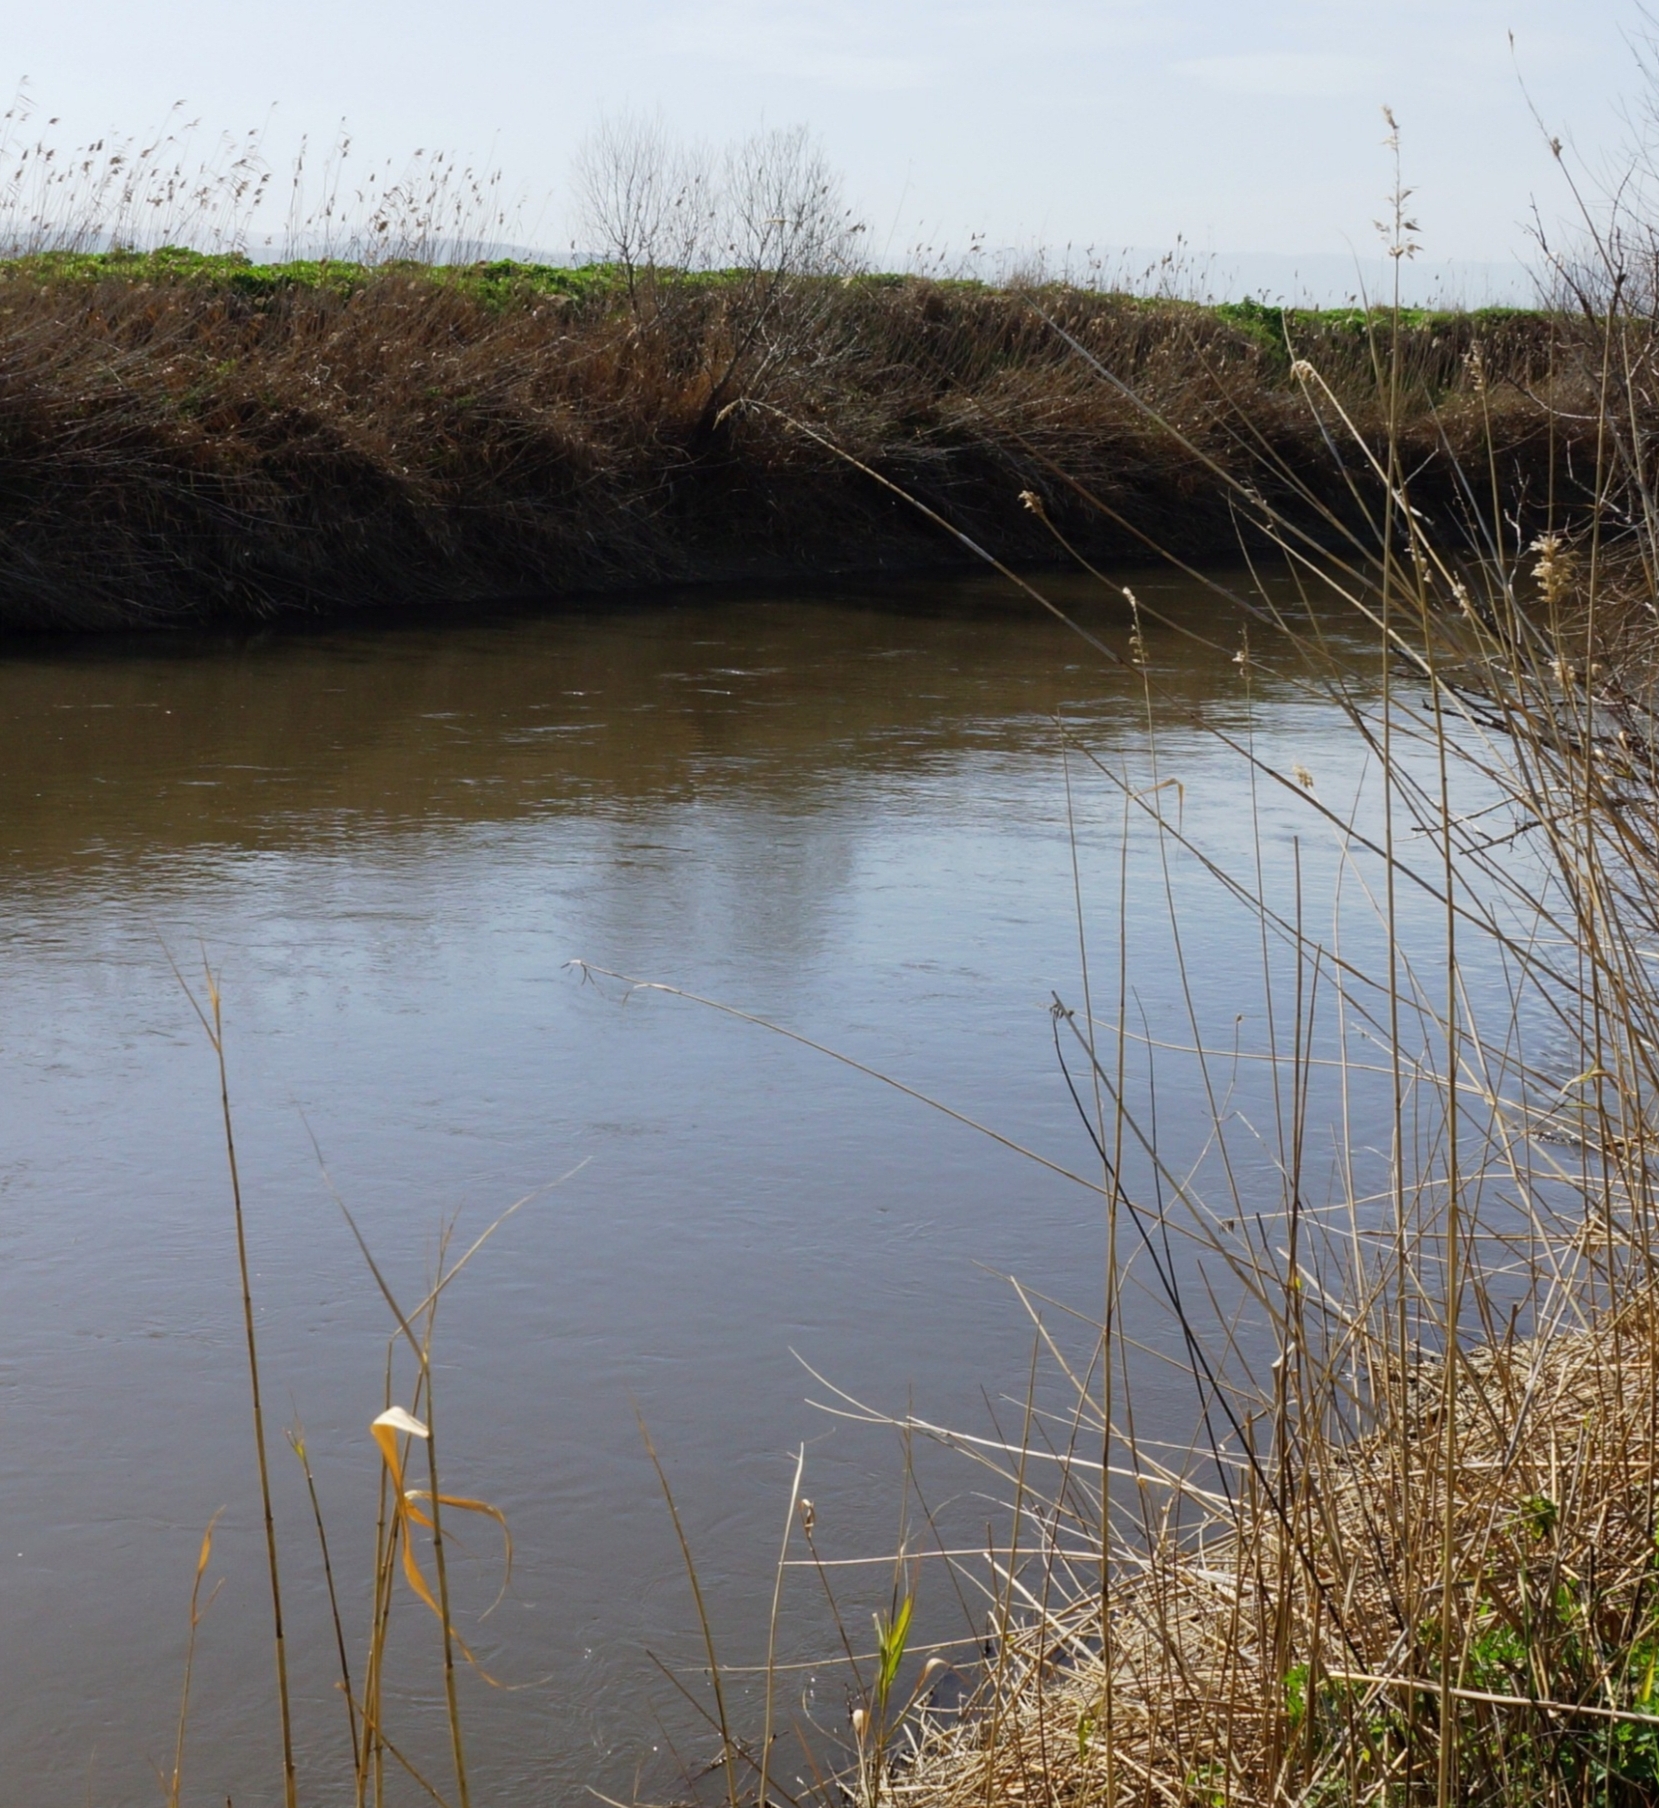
<point>843,812</point>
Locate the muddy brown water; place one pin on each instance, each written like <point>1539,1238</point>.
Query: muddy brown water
<point>845,812</point>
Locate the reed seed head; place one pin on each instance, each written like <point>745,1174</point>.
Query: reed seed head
<point>1554,570</point>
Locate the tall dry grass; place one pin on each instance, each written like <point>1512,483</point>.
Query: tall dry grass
<point>409,1558</point>
<point>223,193</point>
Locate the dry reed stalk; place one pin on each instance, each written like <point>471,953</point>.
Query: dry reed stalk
<point>295,1435</point>
<point>198,1609</point>
<point>212,1022</point>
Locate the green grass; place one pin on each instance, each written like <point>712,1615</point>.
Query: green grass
<point>501,280</point>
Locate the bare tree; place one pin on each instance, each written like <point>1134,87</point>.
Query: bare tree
<point>775,220</point>
<point>785,214</point>
<point>643,199</point>
<point>785,228</point>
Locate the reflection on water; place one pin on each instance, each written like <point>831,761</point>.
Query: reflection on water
<point>846,813</point>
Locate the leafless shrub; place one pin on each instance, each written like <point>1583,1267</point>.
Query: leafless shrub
<point>644,200</point>
<point>784,210</point>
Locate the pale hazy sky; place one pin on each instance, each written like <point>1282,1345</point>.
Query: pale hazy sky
<point>1108,122</point>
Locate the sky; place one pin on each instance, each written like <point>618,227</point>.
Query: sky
<point>1248,134</point>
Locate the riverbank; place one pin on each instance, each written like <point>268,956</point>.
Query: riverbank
<point>187,438</point>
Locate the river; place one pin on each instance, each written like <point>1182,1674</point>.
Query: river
<point>845,812</point>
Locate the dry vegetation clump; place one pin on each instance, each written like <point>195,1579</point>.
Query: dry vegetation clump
<point>185,438</point>
<point>1292,1653</point>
